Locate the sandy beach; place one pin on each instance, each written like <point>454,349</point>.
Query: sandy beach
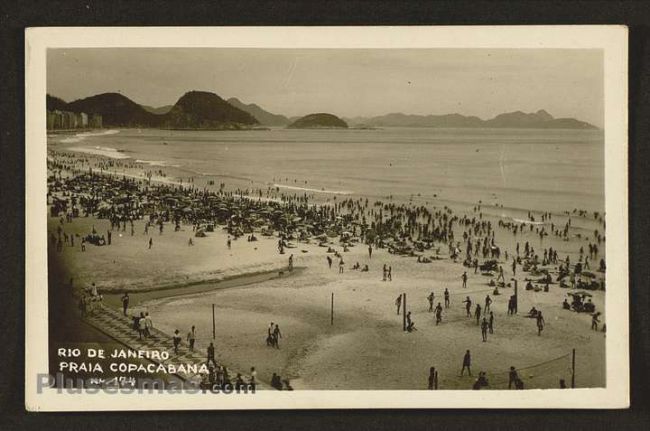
<point>365,348</point>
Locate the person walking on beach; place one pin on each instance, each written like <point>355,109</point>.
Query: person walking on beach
<point>540,323</point>
<point>177,340</point>
<point>211,355</point>
<point>464,278</point>
<point>125,302</point>
<point>484,329</point>
<point>341,264</point>
<point>370,251</point>
<point>228,243</point>
<point>438,314</point>
<point>398,303</point>
<point>501,276</point>
<point>385,271</point>
<point>468,306</point>
<point>594,321</point>
<point>150,242</point>
<point>191,338</point>
<point>446,298</point>
<point>329,261</point>
<point>467,362</point>
<point>390,273</point>
<point>430,298</point>
<point>276,336</point>
<point>291,263</point>
<point>477,313</point>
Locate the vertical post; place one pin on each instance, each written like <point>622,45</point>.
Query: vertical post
<point>573,369</point>
<point>214,328</point>
<point>332,311</point>
<point>516,297</point>
<point>403,311</point>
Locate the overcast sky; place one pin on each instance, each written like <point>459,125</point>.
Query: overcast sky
<point>353,82</point>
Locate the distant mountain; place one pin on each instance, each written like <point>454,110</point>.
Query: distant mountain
<point>318,121</point>
<point>116,111</point>
<point>55,104</point>
<point>516,120</point>
<point>203,110</point>
<point>263,117</point>
<point>158,111</point>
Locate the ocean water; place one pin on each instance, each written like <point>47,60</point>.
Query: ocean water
<point>521,170</point>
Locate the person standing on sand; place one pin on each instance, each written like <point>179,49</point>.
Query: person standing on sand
<point>329,261</point>
<point>438,314</point>
<point>398,303</point>
<point>432,378</point>
<point>269,338</point>
<point>488,302</point>
<point>468,306</point>
<point>540,323</point>
<point>431,298</point>
<point>109,234</point>
<point>341,264</point>
<point>484,329</point>
<point>229,243</point>
<point>491,323</point>
<point>291,263</point>
<point>370,251</point>
<point>512,378</point>
<point>446,298</point>
<point>150,242</point>
<point>467,362</point>
<point>191,338</point>
<point>125,302</point>
<point>390,273</point>
<point>464,278</point>
<point>477,313</point>
<point>276,336</point>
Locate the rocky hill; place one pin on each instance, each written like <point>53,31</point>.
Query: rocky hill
<point>204,110</point>
<point>515,120</point>
<point>264,117</point>
<point>318,121</point>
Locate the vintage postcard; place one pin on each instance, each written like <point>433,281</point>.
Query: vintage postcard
<point>288,218</point>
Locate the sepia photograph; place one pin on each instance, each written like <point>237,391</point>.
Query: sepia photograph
<point>259,220</point>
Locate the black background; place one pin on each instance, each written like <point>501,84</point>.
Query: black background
<point>16,16</point>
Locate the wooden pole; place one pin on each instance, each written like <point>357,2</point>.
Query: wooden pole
<point>403,311</point>
<point>573,369</point>
<point>332,311</point>
<point>516,298</point>
<point>214,327</point>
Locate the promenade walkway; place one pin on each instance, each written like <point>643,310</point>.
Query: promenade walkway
<point>120,328</point>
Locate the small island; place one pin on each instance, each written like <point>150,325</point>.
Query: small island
<point>318,121</point>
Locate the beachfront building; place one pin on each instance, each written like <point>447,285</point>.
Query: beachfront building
<point>64,120</point>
